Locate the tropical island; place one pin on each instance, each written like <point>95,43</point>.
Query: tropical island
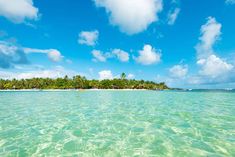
<point>80,82</point>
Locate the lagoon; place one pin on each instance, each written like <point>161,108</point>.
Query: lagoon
<point>117,123</point>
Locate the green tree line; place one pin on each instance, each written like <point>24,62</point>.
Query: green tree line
<point>79,82</point>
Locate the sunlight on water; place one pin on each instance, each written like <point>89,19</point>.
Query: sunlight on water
<point>117,123</point>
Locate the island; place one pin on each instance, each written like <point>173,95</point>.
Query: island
<point>80,82</point>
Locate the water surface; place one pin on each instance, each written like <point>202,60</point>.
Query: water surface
<point>117,123</point>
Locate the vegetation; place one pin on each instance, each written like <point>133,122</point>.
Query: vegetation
<point>79,82</point>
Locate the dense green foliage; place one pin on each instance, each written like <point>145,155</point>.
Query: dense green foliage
<point>78,82</point>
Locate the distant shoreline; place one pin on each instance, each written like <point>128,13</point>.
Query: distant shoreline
<point>58,90</point>
<point>70,90</point>
<point>79,82</point>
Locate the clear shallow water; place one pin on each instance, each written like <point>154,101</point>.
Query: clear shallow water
<point>117,123</point>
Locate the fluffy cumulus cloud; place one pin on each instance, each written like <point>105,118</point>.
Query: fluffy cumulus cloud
<point>115,53</point>
<point>172,16</point>
<point>210,33</point>
<point>121,55</point>
<point>99,56</point>
<point>53,54</point>
<point>179,71</point>
<point>11,55</point>
<point>212,68</point>
<point>148,56</point>
<point>105,74</point>
<point>39,73</point>
<point>88,38</point>
<point>18,10</point>
<point>131,16</point>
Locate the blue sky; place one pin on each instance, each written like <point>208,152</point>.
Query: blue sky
<point>188,44</point>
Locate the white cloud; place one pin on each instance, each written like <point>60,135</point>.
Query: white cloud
<point>18,10</point>
<point>179,71</point>
<point>148,56</point>
<point>210,33</point>
<point>130,76</point>
<point>105,74</point>
<point>99,56</point>
<point>118,53</point>
<point>10,55</point>
<point>88,38</point>
<point>121,55</point>
<point>172,16</point>
<point>53,54</point>
<point>213,66</point>
<point>230,1</point>
<point>7,48</point>
<point>131,16</point>
<point>49,73</point>
<point>214,71</point>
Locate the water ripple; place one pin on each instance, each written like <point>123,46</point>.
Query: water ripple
<point>117,123</point>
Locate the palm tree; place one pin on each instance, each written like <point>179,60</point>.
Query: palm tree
<point>79,82</point>
<point>123,76</point>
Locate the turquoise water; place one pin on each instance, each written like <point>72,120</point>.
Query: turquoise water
<point>117,123</point>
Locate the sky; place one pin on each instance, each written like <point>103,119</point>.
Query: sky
<point>186,44</point>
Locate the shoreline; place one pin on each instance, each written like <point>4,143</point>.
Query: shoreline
<point>83,90</point>
<point>60,90</point>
